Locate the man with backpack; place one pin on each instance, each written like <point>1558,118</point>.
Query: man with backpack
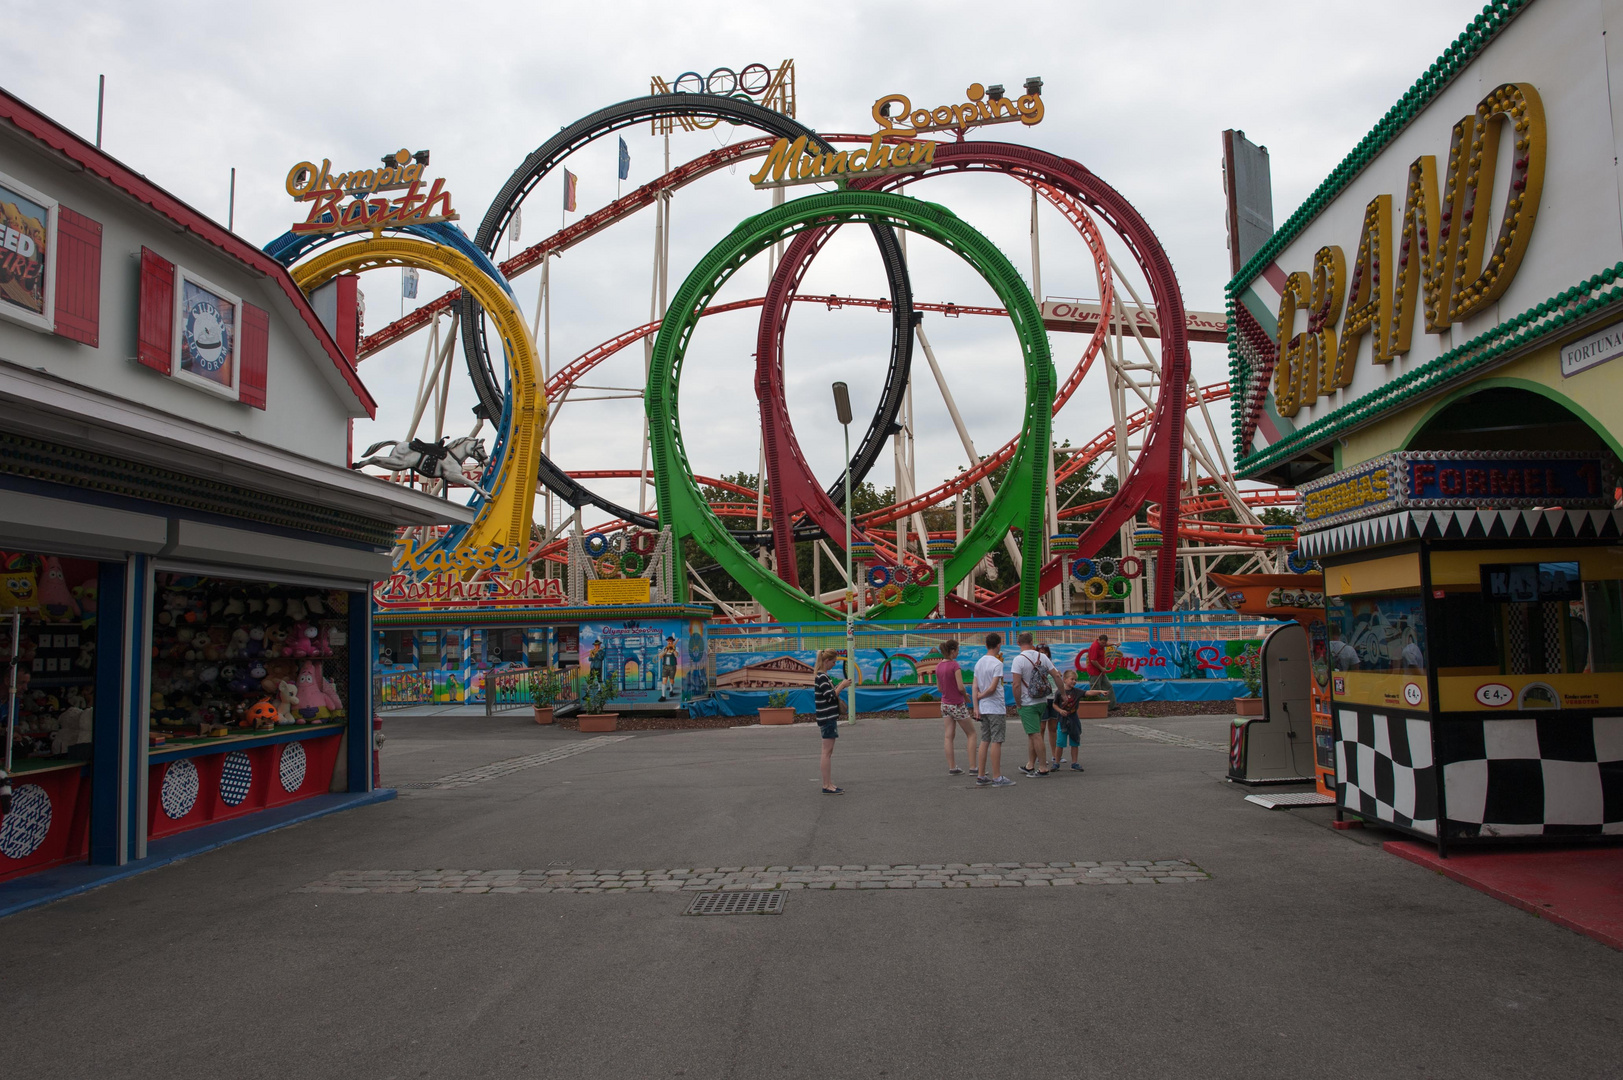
<point>1035,679</point>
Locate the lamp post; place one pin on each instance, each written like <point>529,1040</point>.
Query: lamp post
<point>842,409</point>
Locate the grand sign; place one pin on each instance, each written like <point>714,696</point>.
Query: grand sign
<point>400,171</point>
<point>1435,265</point>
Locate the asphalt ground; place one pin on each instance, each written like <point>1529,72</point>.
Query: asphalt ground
<point>1307,952</point>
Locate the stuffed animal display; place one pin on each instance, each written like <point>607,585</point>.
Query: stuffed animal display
<point>248,656</point>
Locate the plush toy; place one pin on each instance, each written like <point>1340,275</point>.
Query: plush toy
<point>301,643</point>
<point>329,695</point>
<point>262,714</point>
<point>287,700</point>
<point>337,636</point>
<point>236,604</point>
<point>273,605</point>
<point>86,596</point>
<point>237,647</point>
<point>295,609</point>
<point>87,656</point>
<point>276,640</point>
<point>311,700</point>
<point>55,599</point>
<point>316,605</point>
<point>256,642</point>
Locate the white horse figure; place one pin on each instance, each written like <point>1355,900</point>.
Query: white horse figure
<point>441,460</point>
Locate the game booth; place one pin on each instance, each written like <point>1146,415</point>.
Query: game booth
<point>185,559</point>
<point>1427,350</point>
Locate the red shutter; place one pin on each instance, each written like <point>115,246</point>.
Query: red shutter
<point>78,277</point>
<point>155,336</point>
<point>254,356</point>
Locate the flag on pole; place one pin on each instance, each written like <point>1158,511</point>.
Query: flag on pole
<point>408,283</point>
<point>517,223</point>
<point>625,160</point>
<point>570,179</point>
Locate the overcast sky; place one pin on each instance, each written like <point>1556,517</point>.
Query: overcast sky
<point>1138,92</point>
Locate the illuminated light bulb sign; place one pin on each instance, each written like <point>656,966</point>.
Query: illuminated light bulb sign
<point>794,162</point>
<point>400,171</point>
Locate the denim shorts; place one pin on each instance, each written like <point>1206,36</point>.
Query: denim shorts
<point>830,730</point>
<point>992,725</point>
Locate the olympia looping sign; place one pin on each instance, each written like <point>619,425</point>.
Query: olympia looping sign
<point>797,162</point>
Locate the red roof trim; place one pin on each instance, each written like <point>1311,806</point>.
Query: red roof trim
<point>92,160</point>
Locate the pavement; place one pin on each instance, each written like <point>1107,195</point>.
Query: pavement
<point>518,911</point>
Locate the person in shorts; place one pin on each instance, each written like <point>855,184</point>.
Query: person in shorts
<point>1035,678</point>
<point>988,695</point>
<point>949,679</point>
<point>827,697</point>
<point>1051,722</point>
<point>1070,725</point>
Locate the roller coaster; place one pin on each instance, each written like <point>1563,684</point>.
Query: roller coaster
<point>1174,501</point>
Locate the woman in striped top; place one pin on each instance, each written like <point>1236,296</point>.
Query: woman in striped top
<point>827,696</point>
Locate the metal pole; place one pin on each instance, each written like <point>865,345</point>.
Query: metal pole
<point>231,207</point>
<point>850,609</point>
<point>101,97</point>
<point>11,707</point>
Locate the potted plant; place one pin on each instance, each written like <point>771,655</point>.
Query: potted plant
<point>593,696</point>
<point>1250,664</point>
<point>924,707</point>
<point>777,709</point>
<point>545,686</point>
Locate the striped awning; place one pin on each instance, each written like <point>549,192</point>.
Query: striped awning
<point>1548,523</point>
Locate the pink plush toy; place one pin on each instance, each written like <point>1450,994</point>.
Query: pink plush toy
<point>322,644</point>
<point>301,642</point>
<point>329,694</point>
<point>311,701</point>
<point>55,599</point>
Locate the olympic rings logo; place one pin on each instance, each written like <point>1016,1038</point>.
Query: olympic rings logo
<point>750,82</point>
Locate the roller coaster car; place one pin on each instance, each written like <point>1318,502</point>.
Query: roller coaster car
<point>1277,748</point>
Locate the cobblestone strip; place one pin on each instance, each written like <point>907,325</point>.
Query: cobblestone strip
<point>1142,732</point>
<point>512,765</point>
<point>738,878</point>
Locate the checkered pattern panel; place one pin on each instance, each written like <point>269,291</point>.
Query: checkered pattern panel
<point>1533,776</point>
<point>1384,768</point>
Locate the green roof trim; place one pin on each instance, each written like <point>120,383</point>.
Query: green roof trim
<point>1472,40</point>
<point>1513,335</point>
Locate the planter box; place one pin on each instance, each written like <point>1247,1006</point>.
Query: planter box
<point>923,710</point>
<point>770,715</point>
<point>596,722</point>
<point>1248,706</point>
<point>1093,710</point>
<point>543,714</point>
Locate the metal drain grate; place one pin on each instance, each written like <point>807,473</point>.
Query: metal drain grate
<point>737,903</point>
<point>1294,798</point>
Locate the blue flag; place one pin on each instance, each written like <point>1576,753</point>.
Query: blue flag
<point>625,160</point>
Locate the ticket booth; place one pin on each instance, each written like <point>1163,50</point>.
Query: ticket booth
<point>1476,663</point>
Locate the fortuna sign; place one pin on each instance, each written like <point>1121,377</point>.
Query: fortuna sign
<point>791,163</point>
<point>401,170</point>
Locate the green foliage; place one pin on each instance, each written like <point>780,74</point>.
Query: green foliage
<point>1250,666</point>
<point>545,686</point>
<point>778,700</point>
<point>926,696</point>
<point>594,695</point>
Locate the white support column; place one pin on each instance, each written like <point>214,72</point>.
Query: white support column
<point>963,436</point>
